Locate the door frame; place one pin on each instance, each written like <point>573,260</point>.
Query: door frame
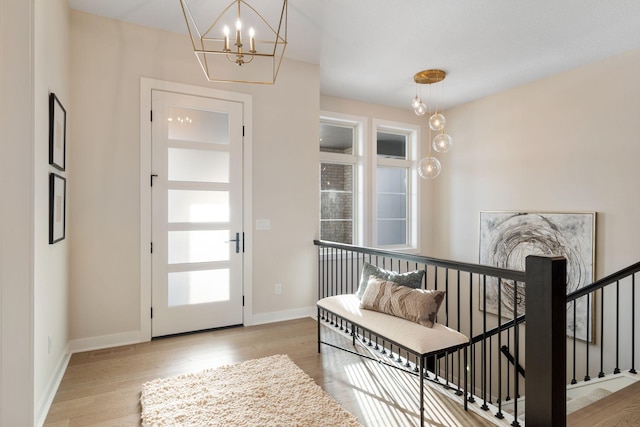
<point>147,85</point>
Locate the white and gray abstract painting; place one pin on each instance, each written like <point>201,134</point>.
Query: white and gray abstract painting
<point>507,238</point>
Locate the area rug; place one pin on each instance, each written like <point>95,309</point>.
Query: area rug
<point>272,391</point>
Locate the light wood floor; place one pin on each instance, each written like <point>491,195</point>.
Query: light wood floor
<point>620,409</point>
<point>102,388</point>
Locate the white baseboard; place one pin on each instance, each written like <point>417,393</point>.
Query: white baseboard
<point>43,406</point>
<point>280,316</point>
<point>135,337</point>
<point>106,341</point>
<point>77,346</point>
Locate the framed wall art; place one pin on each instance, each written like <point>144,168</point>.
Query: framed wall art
<point>57,207</point>
<point>57,133</point>
<point>507,238</point>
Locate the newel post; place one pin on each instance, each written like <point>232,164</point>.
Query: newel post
<point>545,342</point>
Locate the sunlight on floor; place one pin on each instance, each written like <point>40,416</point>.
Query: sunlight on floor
<point>389,397</point>
<point>384,396</point>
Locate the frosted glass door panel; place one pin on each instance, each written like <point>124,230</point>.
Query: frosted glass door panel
<point>198,206</point>
<point>188,124</point>
<point>198,287</point>
<point>198,246</point>
<point>198,165</point>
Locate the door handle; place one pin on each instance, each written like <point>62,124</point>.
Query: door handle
<point>237,240</point>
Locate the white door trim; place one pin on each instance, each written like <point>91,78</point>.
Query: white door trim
<point>146,86</point>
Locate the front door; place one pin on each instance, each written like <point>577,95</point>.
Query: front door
<point>197,215</point>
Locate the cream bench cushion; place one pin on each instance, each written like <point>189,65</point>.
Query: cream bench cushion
<point>413,336</point>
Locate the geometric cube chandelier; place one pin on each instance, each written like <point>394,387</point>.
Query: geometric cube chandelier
<point>236,43</point>
<point>430,167</point>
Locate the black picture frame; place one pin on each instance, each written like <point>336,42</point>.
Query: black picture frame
<point>57,133</point>
<point>57,207</point>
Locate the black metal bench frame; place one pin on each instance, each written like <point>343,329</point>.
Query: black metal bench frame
<point>421,367</point>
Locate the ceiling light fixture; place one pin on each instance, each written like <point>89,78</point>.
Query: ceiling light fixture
<point>430,167</point>
<point>223,56</point>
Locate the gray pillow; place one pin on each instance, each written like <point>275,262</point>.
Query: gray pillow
<point>412,279</point>
<point>416,305</point>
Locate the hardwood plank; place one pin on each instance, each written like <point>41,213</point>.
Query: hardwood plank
<point>620,409</point>
<point>102,388</point>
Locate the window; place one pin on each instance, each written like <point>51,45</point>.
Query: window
<point>367,187</point>
<point>393,179</point>
<point>337,181</point>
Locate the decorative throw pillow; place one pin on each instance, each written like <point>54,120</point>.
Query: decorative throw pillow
<point>412,279</point>
<point>417,305</point>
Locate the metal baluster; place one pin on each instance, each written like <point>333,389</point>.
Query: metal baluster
<point>617,369</point>
<point>601,373</point>
<point>333,272</point>
<point>484,344</point>
<point>490,367</point>
<point>473,352</point>
<point>633,324</point>
<point>516,355</point>
<point>573,379</point>
<point>349,280</point>
<point>499,413</point>
<point>319,276</point>
<point>459,328</point>
<point>508,398</point>
<point>586,341</point>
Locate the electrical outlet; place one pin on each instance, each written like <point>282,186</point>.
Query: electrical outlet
<point>278,288</point>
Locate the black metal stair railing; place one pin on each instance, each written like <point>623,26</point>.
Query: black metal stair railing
<point>613,317</point>
<point>492,378</point>
<point>608,346</point>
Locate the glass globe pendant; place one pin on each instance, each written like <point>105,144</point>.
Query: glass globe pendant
<point>437,121</point>
<point>442,142</point>
<point>429,168</point>
<point>416,102</point>
<point>421,110</point>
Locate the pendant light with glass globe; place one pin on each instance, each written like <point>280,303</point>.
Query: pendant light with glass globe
<point>430,167</point>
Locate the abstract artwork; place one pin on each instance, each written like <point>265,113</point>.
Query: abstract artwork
<point>507,238</point>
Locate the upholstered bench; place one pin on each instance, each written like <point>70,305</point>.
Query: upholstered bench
<point>414,338</point>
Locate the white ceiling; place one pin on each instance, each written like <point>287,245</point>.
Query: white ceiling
<point>369,50</point>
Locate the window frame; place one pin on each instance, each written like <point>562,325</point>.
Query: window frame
<point>359,126</point>
<point>365,162</point>
<point>412,134</point>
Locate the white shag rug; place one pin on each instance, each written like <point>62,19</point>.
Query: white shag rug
<point>272,391</point>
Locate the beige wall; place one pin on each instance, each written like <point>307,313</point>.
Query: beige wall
<point>108,58</point>
<point>51,262</point>
<point>566,143</point>
<point>16,212</point>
